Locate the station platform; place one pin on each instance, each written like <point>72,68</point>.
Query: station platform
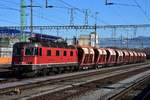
<point>5,60</point>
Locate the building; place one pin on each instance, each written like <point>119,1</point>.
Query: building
<point>84,40</point>
<point>7,38</point>
<point>93,41</point>
<point>89,40</point>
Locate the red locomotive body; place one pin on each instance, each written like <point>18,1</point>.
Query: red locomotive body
<point>35,57</point>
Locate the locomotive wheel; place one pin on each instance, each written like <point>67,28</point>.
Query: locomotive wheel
<point>76,68</point>
<point>57,70</point>
<point>45,72</point>
<point>30,74</point>
<point>71,69</point>
<point>62,70</point>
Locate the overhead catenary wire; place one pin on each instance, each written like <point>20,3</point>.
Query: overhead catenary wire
<point>123,4</point>
<point>70,9</point>
<point>146,6</point>
<point>134,5</point>
<point>8,21</point>
<point>9,8</point>
<point>142,10</point>
<point>10,1</point>
<point>6,7</point>
<point>120,16</point>
<point>82,11</point>
<point>15,9</point>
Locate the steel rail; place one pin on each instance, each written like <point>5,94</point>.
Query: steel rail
<point>125,91</point>
<point>63,79</point>
<point>101,78</point>
<point>34,83</point>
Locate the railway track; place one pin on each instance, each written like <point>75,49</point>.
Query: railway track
<point>119,90</point>
<point>57,84</point>
<point>6,77</point>
<point>123,93</point>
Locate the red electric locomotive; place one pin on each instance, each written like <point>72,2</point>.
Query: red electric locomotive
<point>43,57</point>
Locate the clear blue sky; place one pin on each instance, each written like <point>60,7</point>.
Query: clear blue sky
<point>114,14</point>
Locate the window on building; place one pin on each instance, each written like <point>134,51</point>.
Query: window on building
<point>48,52</point>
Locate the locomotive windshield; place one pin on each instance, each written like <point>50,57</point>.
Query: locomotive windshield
<point>17,51</point>
<point>31,51</point>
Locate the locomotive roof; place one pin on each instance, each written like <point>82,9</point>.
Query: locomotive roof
<point>44,44</point>
<point>44,37</point>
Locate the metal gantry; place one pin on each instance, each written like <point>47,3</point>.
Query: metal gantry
<point>78,27</point>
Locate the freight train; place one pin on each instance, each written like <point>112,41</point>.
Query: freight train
<point>45,54</point>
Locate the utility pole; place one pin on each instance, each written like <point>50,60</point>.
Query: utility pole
<point>31,14</point>
<point>86,17</point>
<point>72,16</point>
<point>96,14</point>
<point>48,6</point>
<point>31,17</point>
<point>96,27</point>
<point>135,30</point>
<point>108,2</point>
<point>95,33</point>
<point>127,39</point>
<point>22,19</point>
<point>114,36</point>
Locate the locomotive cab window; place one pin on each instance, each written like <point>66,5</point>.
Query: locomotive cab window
<point>48,52</point>
<point>57,53</point>
<point>16,51</point>
<point>35,51</point>
<point>71,53</point>
<point>65,53</point>
<point>29,51</point>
